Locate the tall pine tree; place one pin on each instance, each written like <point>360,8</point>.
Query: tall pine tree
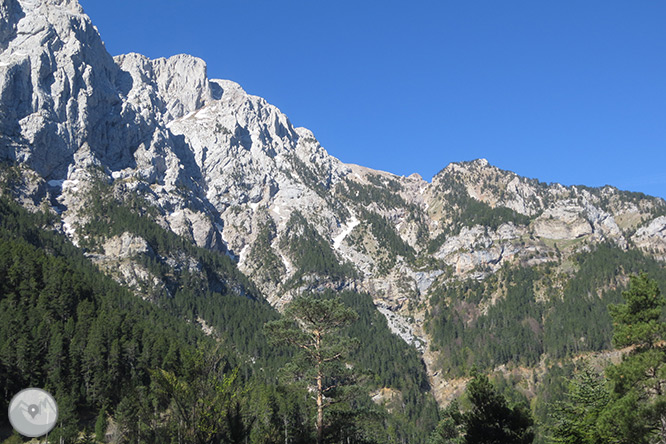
<point>312,325</point>
<point>637,413</point>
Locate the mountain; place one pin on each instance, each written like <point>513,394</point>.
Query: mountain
<point>165,178</point>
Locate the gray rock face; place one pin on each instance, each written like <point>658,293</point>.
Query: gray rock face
<point>10,14</point>
<point>562,222</point>
<point>192,147</point>
<point>197,227</point>
<point>475,248</point>
<point>67,106</point>
<point>484,182</point>
<point>166,88</point>
<point>652,237</point>
<point>61,83</point>
<point>64,94</point>
<point>227,170</point>
<point>247,149</point>
<point>126,246</point>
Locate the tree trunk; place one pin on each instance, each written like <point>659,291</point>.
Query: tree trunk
<point>286,430</point>
<point>320,410</point>
<point>320,392</point>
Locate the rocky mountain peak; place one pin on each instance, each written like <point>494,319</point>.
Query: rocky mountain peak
<point>60,82</point>
<point>228,171</point>
<point>10,14</point>
<point>172,87</point>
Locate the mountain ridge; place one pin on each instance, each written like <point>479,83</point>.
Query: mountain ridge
<point>228,171</point>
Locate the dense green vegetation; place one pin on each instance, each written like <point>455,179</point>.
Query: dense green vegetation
<point>508,332</point>
<point>628,404</point>
<point>385,196</point>
<point>108,356</point>
<point>310,252</point>
<point>488,419</point>
<point>375,360</point>
<point>582,310</point>
<point>387,237</point>
<point>389,362</point>
<point>474,212</point>
<point>215,290</point>
<point>147,368</point>
<point>262,256</point>
<point>575,417</point>
<point>520,327</point>
<point>550,392</point>
<point>577,403</point>
<point>312,325</point>
<point>70,329</point>
<point>465,211</point>
<point>381,360</point>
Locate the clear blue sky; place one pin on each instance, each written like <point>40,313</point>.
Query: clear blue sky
<point>564,91</point>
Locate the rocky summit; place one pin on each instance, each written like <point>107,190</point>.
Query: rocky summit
<point>228,172</point>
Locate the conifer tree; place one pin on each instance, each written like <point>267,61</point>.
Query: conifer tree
<point>312,324</point>
<point>576,419</point>
<point>101,425</point>
<point>450,429</point>
<point>638,411</point>
<point>491,420</point>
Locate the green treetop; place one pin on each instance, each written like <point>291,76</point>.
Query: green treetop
<point>490,419</point>
<point>637,413</point>
<point>312,325</point>
<point>638,322</point>
<point>576,418</point>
